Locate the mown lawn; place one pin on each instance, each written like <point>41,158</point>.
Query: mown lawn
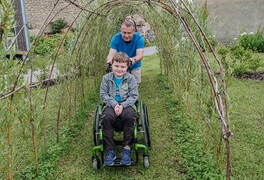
<point>246,101</point>
<point>246,120</point>
<point>76,163</point>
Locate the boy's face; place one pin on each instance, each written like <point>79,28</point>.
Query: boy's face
<point>119,68</point>
<point>127,33</point>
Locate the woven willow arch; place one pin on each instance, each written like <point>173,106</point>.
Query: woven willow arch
<point>91,46</point>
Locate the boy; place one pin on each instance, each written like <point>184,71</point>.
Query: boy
<point>119,91</point>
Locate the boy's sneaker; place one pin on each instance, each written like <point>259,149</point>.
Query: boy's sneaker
<point>126,157</point>
<point>110,156</point>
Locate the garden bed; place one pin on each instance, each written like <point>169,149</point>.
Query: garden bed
<point>254,76</point>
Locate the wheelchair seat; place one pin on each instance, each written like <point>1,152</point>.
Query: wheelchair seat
<point>119,125</point>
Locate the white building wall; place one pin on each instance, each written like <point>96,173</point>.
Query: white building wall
<point>233,16</point>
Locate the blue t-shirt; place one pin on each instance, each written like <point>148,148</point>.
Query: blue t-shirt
<point>117,83</point>
<point>129,48</point>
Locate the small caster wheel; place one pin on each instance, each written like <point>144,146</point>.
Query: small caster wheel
<point>146,161</point>
<point>96,162</point>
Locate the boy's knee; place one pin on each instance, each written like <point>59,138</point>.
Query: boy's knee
<point>108,118</point>
<point>129,117</point>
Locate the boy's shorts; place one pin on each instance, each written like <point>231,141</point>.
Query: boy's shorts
<point>137,74</point>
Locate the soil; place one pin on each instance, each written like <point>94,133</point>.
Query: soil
<point>255,76</point>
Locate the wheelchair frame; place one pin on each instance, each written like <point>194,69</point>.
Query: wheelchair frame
<point>142,126</point>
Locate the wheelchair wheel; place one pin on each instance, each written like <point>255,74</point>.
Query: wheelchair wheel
<point>96,162</point>
<point>146,161</point>
<point>96,126</point>
<point>147,124</point>
<point>143,124</point>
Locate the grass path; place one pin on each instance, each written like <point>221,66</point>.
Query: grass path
<point>247,118</point>
<point>76,164</point>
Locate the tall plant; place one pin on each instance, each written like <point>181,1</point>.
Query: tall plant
<point>191,77</point>
<point>7,23</point>
<point>7,19</point>
<point>80,60</point>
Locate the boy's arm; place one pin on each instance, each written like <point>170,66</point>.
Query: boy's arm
<point>133,94</point>
<point>108,100</point>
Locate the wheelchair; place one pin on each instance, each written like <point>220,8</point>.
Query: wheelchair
<point>141,140</point>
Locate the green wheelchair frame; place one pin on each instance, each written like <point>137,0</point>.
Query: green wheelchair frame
<point>141,126</point>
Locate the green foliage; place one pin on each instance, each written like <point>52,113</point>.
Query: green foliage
<point>57,25</point>
<point>197,164</point>
<point>238,60</point>
<point>7,22</point>
<point>202,15</point>
<point>48,160</point>
<point>9,70</point>
<point>223,52</point>
<point>150,43</point>
<point>255,42</point>
<point>47,45</point>
<point>254,64</point>
<point>205,11</point>
<point>190,92</point>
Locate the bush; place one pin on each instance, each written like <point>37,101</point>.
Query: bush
<point>47,45</point>
<point>254,42</point>
<point>223,52</point>
<point>254,64</point>
<point>238,60</point>
<point>57,25</point>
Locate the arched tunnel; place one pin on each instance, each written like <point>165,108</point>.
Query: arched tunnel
<point>43,114</point>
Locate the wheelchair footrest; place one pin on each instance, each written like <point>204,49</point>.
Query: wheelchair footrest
<point>118,164</point>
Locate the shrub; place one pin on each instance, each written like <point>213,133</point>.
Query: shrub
<point>47,45</point>
<point>57,25</point>
<point>223,52</point>
<point>240,59</point>
<point>251,41</point>
<point>254,64</point>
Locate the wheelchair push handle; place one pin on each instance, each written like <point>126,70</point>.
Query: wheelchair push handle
<point>108,68</point>
<point>129,69</point>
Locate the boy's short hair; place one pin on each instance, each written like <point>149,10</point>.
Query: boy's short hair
<point>121,57</point>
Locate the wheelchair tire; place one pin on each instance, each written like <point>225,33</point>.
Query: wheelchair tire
<point>147,124</point>
<point>143,124</point>
<point>96,162</point>
<point>96,130</point>
<point>146,161</point>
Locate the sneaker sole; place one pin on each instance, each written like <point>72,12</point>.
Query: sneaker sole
<point>125,164</point>
<point>112,163</point>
